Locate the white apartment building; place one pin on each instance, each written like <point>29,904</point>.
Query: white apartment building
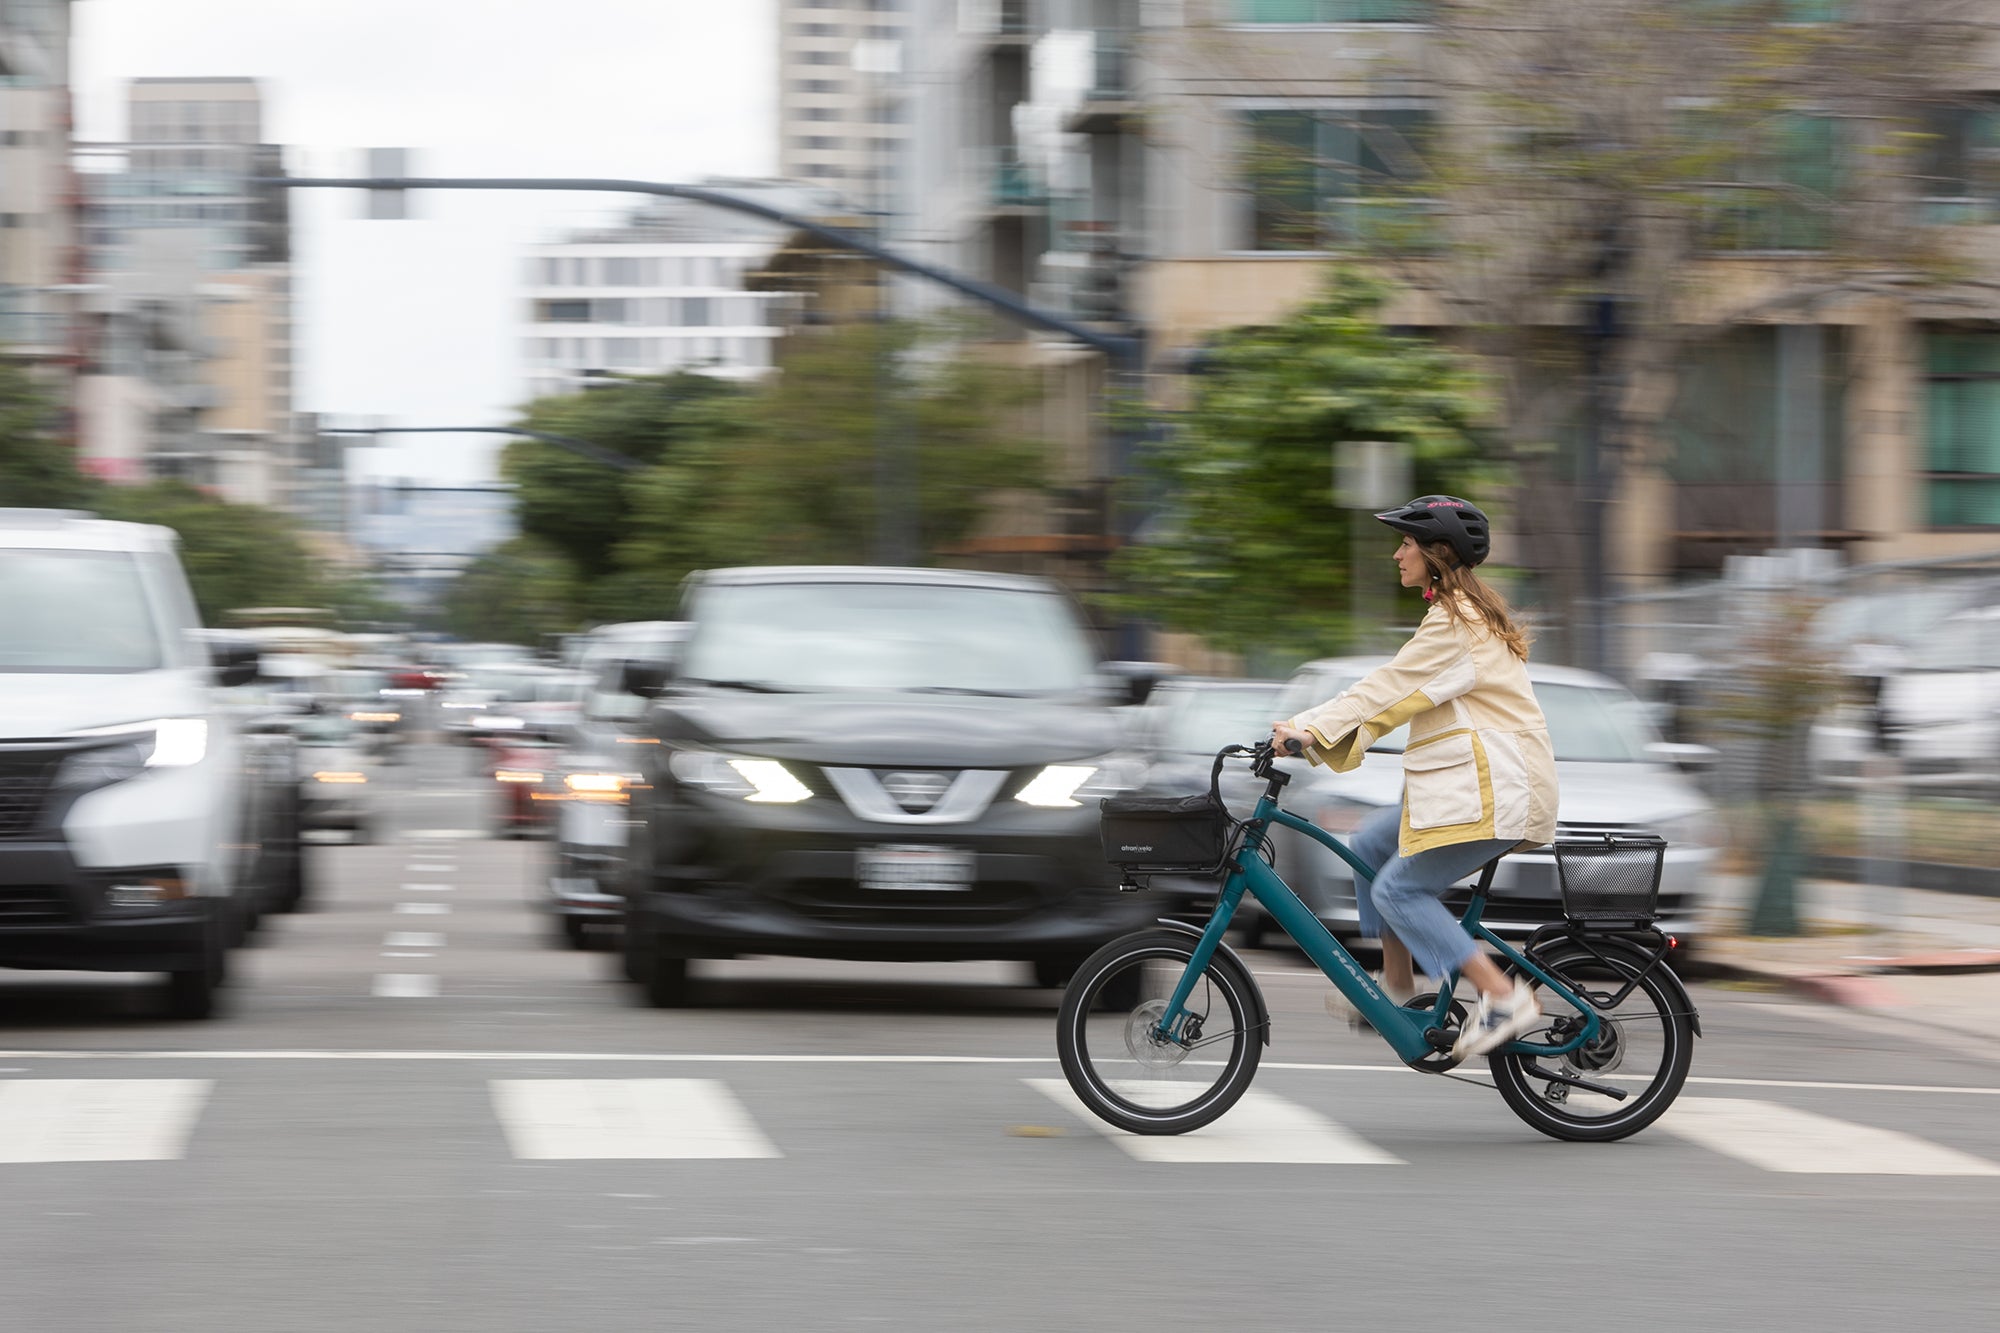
<point>665,292</point>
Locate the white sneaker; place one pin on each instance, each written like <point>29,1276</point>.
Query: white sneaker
<point>1338,1005</point>
<point>1496,1022</point>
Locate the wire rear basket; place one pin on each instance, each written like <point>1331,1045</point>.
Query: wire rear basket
<point>1611,877</point>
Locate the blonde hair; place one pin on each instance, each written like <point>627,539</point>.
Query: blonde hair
<point>1458,587</point>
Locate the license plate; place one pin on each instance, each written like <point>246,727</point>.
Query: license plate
<point>914,869</point>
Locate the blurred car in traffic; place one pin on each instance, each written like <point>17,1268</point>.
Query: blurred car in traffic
<point>140,830</point>
<point>1936,707</point>
<point>333,775</point>
<point>599,772</point>
<point>527,784</point>
<point>876,763</point>
<point>1184,721</point>
<point>1617,776</point>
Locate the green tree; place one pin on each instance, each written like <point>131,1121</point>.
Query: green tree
<point>518,592</point>
<point>580,506</point>
<point>235,555</point>
<point>1249,550</point>
<point>784,471</point>
<point>37,470</point>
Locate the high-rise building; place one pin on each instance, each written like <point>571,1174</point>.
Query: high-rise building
<point>842,114</point>
<point>39,267</point>
<point>193,320</point>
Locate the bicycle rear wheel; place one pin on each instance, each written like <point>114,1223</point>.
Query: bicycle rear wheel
<point>1125,1074</point>
<point>1644,1046</point>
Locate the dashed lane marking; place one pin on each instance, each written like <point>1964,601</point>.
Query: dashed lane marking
<point>1261,1127</point>
<point>426,888</point>
<point>98,1119</point>
<point>598,1118</point>
<point>422,909</point>
<point>407,985</point>
<point>414,939</point>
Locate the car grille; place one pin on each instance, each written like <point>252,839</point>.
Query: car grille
<point>25,778</point>
<point>33,905</point>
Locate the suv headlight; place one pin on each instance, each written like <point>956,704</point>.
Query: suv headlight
<point>170,742</point>
<point>1066,786</point>
<point>761,780</point>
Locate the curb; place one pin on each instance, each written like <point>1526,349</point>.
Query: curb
<point>1862,985</point>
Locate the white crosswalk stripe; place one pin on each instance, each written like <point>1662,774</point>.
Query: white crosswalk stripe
<point>98,1119</point>
<point>626,1118</point>
<point>1262,1127</point>
<point>1774,1137</point>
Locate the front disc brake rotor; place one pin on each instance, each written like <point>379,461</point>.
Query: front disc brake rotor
<point>1142,1037</point>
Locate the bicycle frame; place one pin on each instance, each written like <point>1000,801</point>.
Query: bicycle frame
<point>1404,1029</point>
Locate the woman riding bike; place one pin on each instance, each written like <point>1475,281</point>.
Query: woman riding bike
<point>1479,774</point>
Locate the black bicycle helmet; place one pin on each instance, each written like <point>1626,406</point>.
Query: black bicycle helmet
<point>1444,518</point>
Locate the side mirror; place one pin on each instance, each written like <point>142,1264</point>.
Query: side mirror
<point>1687,758</point>
<point>235,660</point>
<point>1133,681</point>
<point>647,679</point>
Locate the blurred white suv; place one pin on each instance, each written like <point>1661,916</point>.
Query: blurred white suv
<point>128,823</point>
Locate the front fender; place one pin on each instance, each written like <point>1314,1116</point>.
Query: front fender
<point>1263,1014</point>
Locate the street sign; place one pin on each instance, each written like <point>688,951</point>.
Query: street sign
<point>1370,474</point>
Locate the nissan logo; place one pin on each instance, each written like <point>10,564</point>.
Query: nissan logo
<point>916,791</point>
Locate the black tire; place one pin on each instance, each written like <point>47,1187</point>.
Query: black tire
<point>574,932</point>
<point>1127,1078</point>
<point>667,981</point>
<point>1650,1029</point>
<point>293,886</point>
<point>191,992</point>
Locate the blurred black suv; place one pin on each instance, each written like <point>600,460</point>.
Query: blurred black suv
<point>876,763</point>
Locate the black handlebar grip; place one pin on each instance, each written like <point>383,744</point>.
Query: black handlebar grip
<point>1293,746</point>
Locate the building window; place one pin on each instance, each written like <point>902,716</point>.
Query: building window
<point>1323,179</point>
<point>1957,166</point>
<point>821,171</point>
<point>1785,182</point>
<point>1962,429</point>
<point>819,141</point>
<point>1332,11</point>
<point>621,273</point>
<point>822,113</point>
<point>816,29</point>
<point>694,312</point>
<point>819,58</point>
<point>816,85</point>
<point>562,312</point>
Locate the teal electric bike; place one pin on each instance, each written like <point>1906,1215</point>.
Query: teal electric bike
<point>1160,1031</point>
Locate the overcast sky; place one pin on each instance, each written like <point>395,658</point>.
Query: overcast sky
<point>418,322</point>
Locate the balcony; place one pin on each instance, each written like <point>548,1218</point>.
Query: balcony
<point>1011,188</point>
<point>1007,23</point>
<point>1111,98</point>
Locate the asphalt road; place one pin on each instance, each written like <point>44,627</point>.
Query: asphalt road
<point>422,1114</point>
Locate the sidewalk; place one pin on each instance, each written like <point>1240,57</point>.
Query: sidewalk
<point>1861,939</point>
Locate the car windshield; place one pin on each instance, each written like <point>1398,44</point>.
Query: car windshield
<point>75,611</point>
<point>1202,721</point>
<point>895,636</point>
<point>323,729</point>
<point>1587,723</point>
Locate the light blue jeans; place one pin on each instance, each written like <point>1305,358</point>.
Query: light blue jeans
<point>1408,890</point>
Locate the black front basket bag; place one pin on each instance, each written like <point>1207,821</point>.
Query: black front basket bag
<point>1151,834</point>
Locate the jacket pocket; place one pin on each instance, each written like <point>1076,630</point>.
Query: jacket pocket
<point>1441,783</point>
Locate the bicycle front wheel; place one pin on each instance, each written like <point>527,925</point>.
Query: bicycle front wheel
<point>1124,1072</point>
<point>1644,1046</point>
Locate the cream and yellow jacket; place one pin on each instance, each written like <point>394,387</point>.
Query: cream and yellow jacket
<point>1479,764</point>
